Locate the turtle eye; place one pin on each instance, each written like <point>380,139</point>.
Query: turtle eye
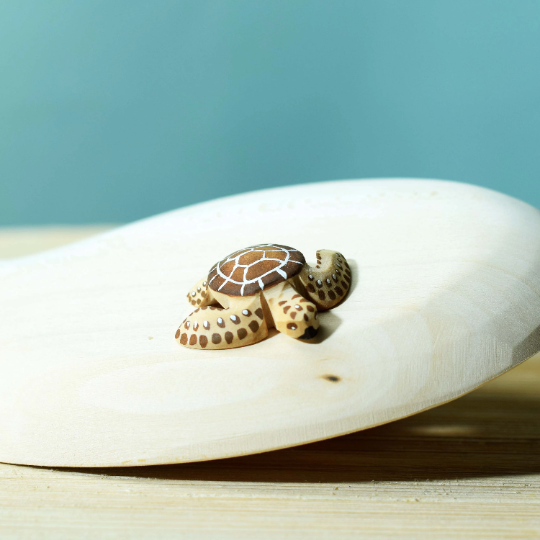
<point>310,333</point>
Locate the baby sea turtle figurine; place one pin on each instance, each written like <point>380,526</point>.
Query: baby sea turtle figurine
<point>261,287</point>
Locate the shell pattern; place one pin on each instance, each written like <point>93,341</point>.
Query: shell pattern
<point>248,271</point>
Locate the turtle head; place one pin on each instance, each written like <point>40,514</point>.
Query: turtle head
<point>304,325</point>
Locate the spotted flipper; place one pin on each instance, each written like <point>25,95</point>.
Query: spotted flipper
<point>201,295</point>
<point>212,327</point>
<point>327,283</point>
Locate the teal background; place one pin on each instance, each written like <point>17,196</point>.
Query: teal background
<point>115,110</point>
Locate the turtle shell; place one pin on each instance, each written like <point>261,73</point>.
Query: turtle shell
<point>248,271</point>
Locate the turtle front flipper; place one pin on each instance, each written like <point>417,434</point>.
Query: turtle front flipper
<point>242,323</point>
<point>327,283</point>
<point>292,313</point>
<point>201,295</point>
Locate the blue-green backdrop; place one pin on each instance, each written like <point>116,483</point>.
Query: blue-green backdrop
<point>114,110</point>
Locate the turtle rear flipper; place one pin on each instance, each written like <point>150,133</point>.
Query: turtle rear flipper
<point>201,295</point>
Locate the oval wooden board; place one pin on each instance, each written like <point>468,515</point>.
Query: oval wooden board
<point>445,296</point>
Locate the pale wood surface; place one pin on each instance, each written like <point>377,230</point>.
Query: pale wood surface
<point>467,469</point>
<point>445,296</point>
<point>20,241</point>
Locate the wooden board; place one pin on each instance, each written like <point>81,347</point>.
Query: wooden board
<point>445,297</point>
<point>467,469</point>
<point>16,242</point>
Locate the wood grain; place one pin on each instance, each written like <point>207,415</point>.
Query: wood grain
<point>467,469</point>
<point>445,296</point>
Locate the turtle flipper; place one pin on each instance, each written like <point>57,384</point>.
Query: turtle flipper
<point>242,323</point>
<point>327,283</point>
<point>201,295</point>
<point>292,313</point>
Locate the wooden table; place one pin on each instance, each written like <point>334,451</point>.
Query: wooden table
<point>468,469</point>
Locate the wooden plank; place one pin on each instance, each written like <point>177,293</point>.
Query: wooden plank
<point>20,241</point>
<point>467,469</point>
<point>445,295</point>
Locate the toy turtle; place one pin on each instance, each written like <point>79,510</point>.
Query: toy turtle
<point>261,287</point>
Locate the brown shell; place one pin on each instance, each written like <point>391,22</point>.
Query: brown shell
<point>248,271</point>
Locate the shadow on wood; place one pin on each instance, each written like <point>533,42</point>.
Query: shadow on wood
<point>478,435</point>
